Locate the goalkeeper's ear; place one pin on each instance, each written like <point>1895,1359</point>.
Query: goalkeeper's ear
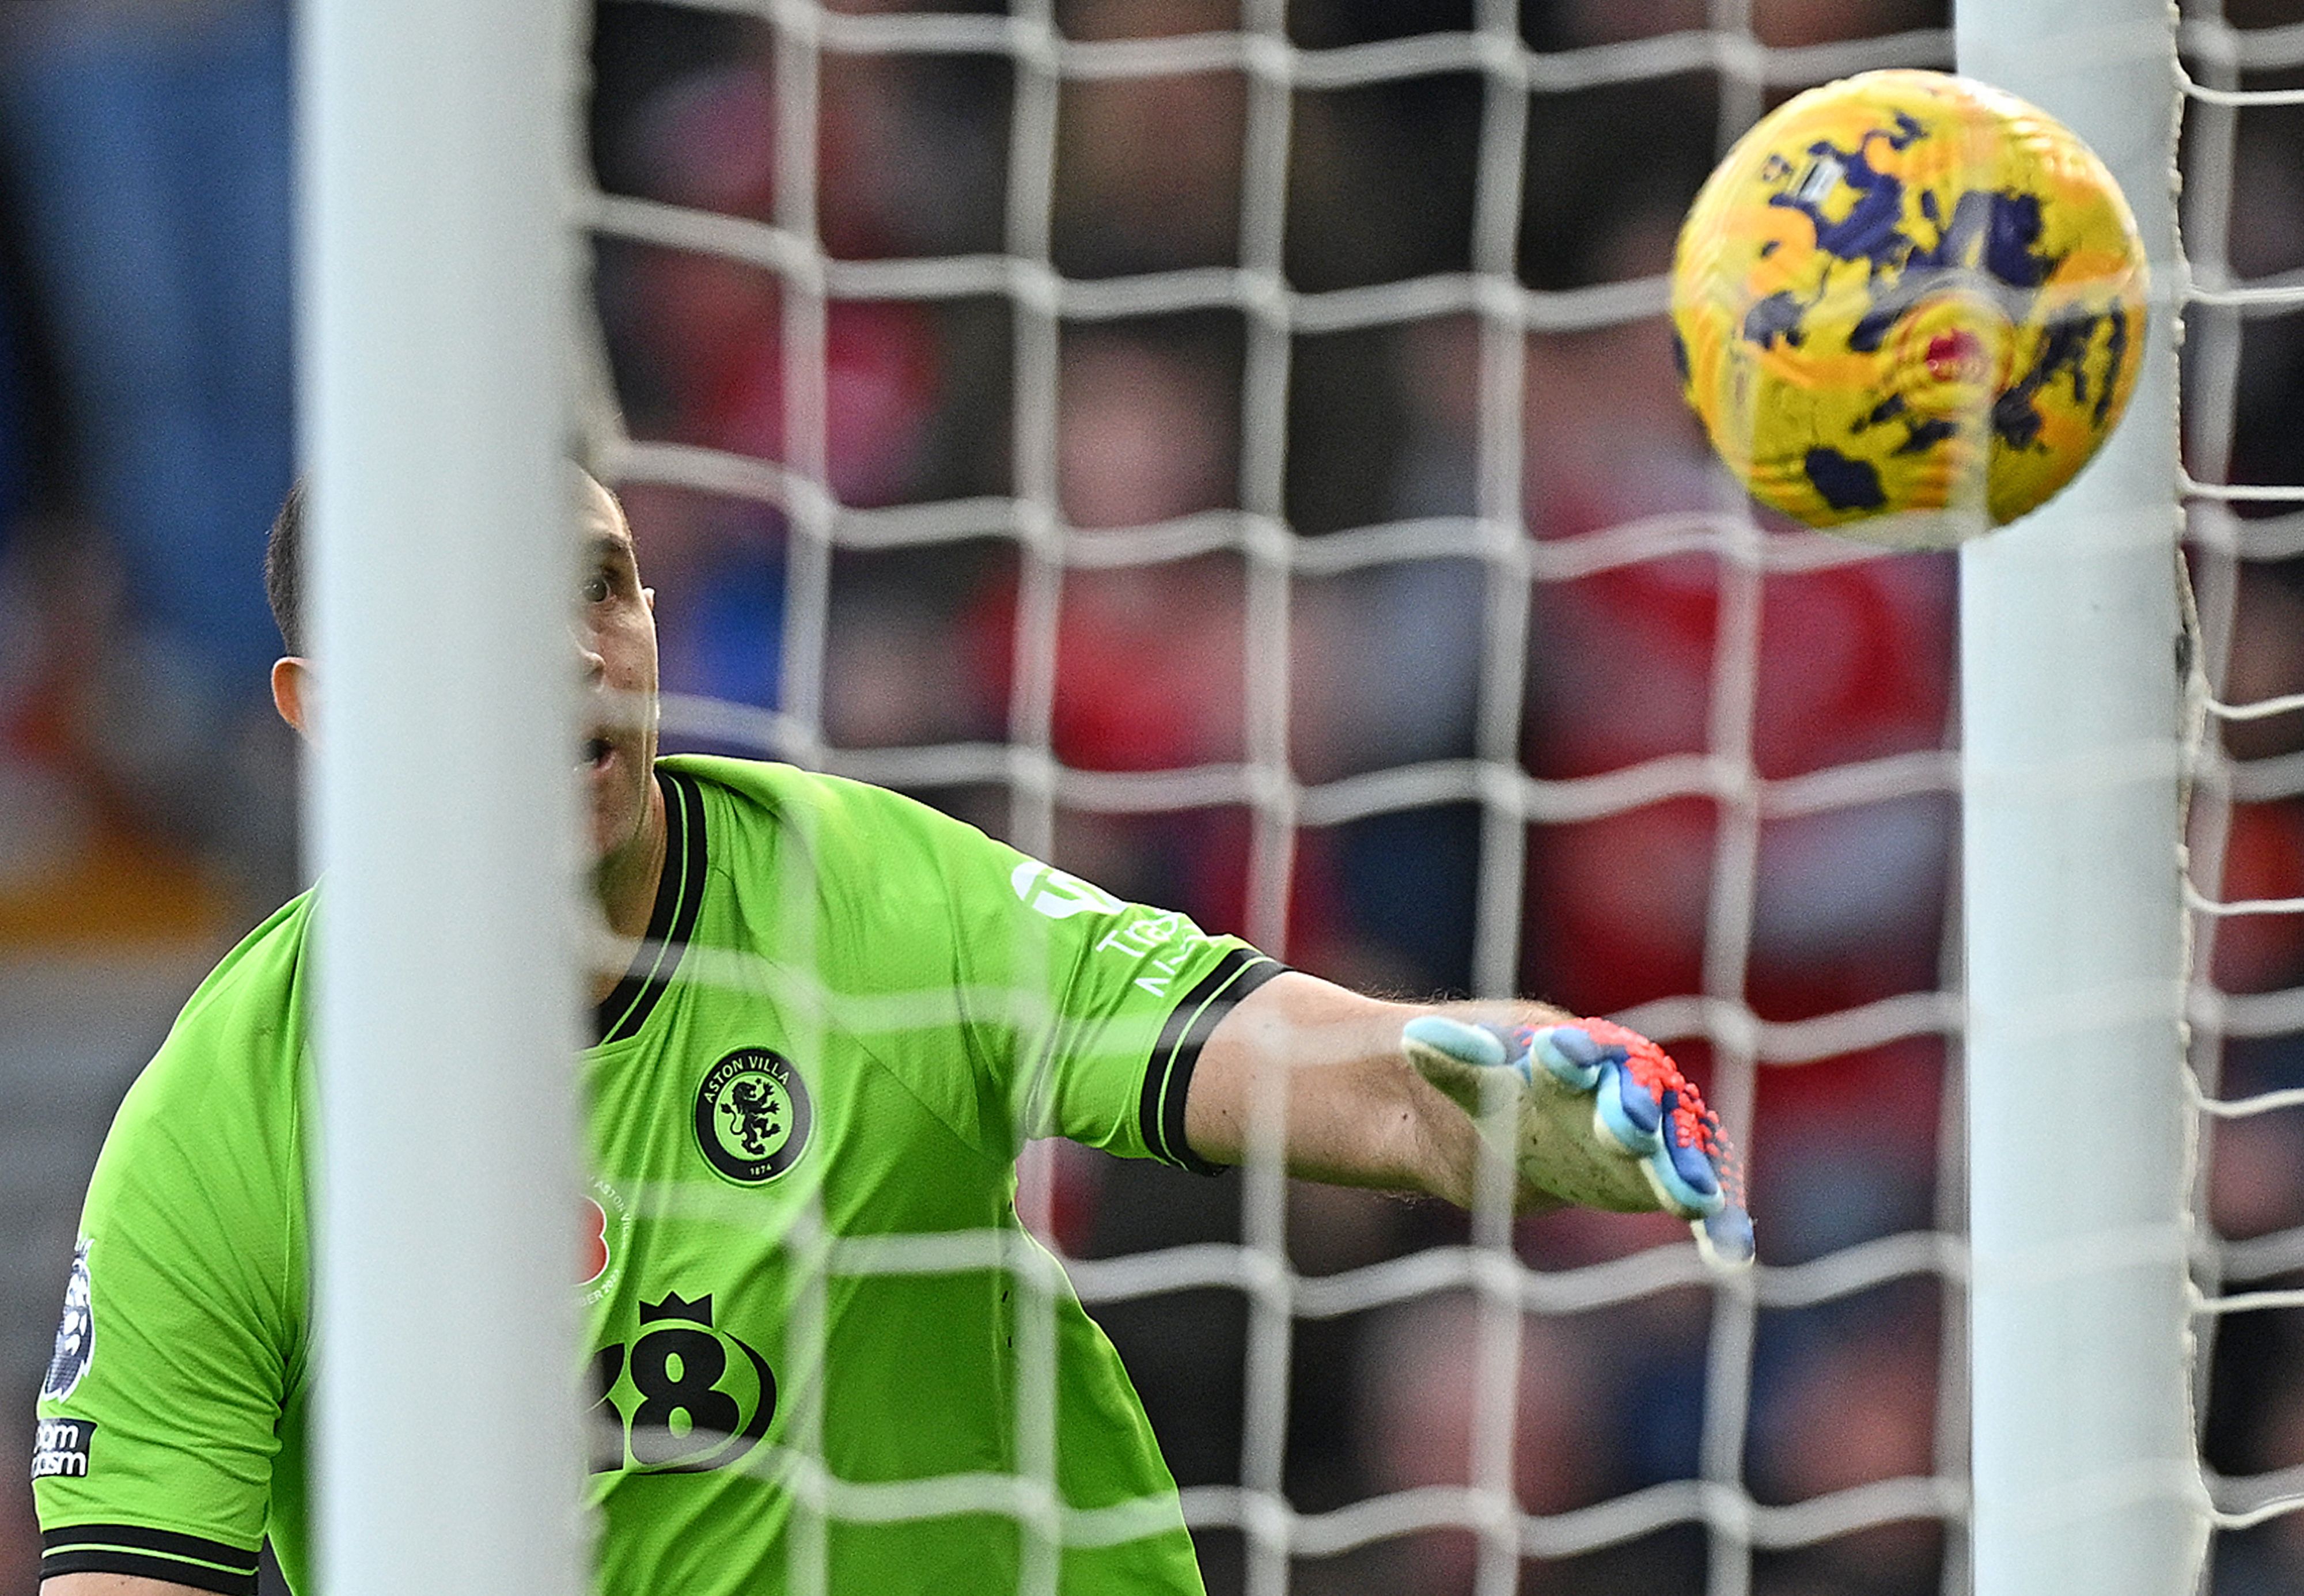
<point>293,693</point>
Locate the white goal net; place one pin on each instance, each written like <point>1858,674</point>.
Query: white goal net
<point>2244,496</point>
<point>1233,451</point>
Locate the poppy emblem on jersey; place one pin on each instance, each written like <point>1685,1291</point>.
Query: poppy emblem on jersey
<point>594,1261</point>
<point>605,1225</point>
<point>753,1115</point>
<point>75,1333</point>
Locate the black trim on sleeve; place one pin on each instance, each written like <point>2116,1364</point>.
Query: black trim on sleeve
<point>1168,1074</point>
<point>679,898</point>
<point>164,1555</point>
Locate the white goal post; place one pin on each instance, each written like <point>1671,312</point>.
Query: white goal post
<point>436,141</point>
<point>2083,1469</point>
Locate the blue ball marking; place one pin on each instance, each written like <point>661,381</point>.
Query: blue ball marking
<point>1845,483</point>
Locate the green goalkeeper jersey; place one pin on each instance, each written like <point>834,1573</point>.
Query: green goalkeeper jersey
<point>820,1337</point>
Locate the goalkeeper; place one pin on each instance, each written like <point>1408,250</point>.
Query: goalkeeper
<point>842,1008</point>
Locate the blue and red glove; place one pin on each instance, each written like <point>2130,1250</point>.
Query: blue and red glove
<point>1602,1117</point>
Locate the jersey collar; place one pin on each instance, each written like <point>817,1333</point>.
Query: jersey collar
<point>679,897</point>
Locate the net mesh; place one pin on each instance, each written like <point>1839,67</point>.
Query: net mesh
<point>1401,682</point>
<point>2244,514</point>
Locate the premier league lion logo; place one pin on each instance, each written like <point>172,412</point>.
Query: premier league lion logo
<point>75,1335</point>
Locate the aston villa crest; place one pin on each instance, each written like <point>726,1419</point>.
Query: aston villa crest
<point>753,1115</point>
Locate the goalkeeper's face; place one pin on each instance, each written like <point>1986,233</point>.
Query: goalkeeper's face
<point>615,633</point>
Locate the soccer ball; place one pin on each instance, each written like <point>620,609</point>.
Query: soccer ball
<point>1907,307</point>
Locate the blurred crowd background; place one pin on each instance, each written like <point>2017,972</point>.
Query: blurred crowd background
<point>147,796</point>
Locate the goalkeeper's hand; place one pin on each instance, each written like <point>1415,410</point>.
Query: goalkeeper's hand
<point>1600,1115</point>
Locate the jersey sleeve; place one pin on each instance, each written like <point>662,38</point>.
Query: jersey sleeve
<point>1083,1015</point>
<point>160,1416</point>
<point>1118,1000</point>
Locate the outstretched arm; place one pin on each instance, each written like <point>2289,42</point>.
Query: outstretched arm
<point>1383,1094</point>
<point>1359,1113</point>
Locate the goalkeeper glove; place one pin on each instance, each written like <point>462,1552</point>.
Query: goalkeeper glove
<point>1601,1116</point>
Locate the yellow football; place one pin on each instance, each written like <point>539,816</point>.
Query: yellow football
<point>1906,291</point>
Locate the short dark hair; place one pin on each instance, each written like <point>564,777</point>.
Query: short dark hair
<point>283,569</point>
